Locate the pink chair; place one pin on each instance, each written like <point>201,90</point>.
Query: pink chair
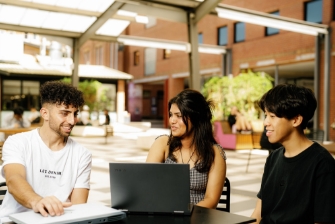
<point>227,141</point>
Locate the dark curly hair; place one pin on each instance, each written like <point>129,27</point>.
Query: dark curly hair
<point>196,109</point>
<point>58,92</point>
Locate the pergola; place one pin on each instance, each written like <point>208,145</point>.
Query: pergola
<point>84,20</point>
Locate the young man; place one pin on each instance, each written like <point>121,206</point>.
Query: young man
<point>45,170</point>
<point>298,184</point>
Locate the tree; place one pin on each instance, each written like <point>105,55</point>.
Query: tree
<point>242,91</point>
<point>94,95</point>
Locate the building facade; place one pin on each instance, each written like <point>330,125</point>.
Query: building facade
<point>287,56</point>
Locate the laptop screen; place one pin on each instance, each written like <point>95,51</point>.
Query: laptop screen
<point>150,187</point>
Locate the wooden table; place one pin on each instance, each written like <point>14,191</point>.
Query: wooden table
<point>12,131</point>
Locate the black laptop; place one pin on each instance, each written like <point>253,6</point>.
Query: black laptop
<point>150,188</point>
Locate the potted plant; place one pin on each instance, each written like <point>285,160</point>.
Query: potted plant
<point>242,91</point>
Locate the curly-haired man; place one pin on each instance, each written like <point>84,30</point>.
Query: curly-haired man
<point>45,169</point>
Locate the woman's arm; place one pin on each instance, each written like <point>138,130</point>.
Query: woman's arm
<point>159,150</point>
<point>216,179</point>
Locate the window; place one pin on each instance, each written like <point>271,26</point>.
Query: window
<point>200,38</point>
<point>150,61</point>
<point>313,11</point>
<point>269,30</point>
<point>166,53</point>
<point>87,58</point>
<point>99,55</point>
<point>146,94</point>
<point>239,32</point>
<point>20,93</point>
<point>222,36</point>
<point>136,58</point>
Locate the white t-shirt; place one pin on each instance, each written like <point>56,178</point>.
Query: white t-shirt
<point>48,172</point>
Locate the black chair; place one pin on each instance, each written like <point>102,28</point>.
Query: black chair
<point>224,202</point>
<point>315,135</point>
<point>3,190</point>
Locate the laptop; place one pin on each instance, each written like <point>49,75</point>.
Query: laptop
<point>88,213</point>
<point>150,188</point>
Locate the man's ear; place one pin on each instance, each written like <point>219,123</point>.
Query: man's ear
<point>297,120</point>
<point>44,113</point>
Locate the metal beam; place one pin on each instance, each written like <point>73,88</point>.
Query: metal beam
<point>276,75</point>
<point>75,71</point>
<point>317,81</point>
<point>36,30</point>
<point>99,22</point>
<point>104,38</point>
<point>194,54</point>
<point>326,93</point>
<point>268,20</point>
<point>48,7</point>
<point>204,8</point>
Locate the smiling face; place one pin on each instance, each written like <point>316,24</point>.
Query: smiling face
<point>62,118</point>
<point>277,129</point>
<point>178,127</point>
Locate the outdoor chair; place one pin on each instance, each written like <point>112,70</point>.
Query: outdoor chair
<point>224,202</point>
<point>3,190</point>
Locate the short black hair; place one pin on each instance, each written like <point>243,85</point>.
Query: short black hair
<point>58,92</point>
<point>18,111</point>
<point>289,101</point>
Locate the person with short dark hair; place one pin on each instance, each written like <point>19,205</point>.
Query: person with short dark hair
<point>107,118</point>
<point>16,120</point>
<point>298,184</point>
<point>46,170</point>
<point>192,142</point>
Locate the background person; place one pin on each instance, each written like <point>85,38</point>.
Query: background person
<point>34,116</point>
<point>191,142</point>
<point>299,178</point>
<point>45,170</point>
<point>16,120</point>
<point>237,121</point>
<point>85,115</point>
<point>107,118</point>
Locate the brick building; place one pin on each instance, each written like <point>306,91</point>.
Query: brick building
<point>290,57</point>
<point>288,54</point>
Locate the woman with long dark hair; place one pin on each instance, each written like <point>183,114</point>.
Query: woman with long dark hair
<point>192,142</point>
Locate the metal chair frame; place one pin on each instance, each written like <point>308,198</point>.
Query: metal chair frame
<point>225,197</point>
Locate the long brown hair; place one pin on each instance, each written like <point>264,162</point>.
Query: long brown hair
<point>196,109</point>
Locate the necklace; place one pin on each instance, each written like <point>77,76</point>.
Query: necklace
<point>181,155</point>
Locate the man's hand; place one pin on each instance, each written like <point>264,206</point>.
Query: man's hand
<point>50,205</point>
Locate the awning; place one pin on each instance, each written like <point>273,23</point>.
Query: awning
<point>31,67</point>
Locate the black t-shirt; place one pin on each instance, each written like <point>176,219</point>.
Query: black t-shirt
<point>300,189</point>
<point>231,120</point>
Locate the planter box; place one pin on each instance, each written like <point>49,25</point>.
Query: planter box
<point>228,140</point>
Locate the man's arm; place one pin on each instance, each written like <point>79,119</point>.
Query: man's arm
<point>24,194</point>
<point>79,195</point>
<point>257,212</point>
